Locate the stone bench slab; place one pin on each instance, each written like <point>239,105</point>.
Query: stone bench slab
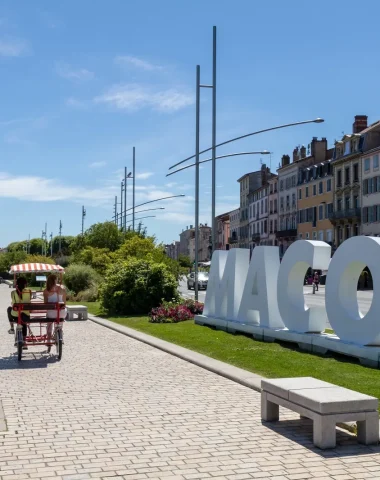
<point>80,310</point>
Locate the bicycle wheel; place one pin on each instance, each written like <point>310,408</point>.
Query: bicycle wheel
<point>59,343</point>
<point>20,343</point>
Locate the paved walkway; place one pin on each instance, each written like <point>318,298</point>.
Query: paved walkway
<point>117,408</point>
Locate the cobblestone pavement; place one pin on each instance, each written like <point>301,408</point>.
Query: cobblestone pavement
<point>117,408</point>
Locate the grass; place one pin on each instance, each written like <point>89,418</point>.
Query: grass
<point>270,360</point>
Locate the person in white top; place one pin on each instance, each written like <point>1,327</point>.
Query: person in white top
<point>54,293</point>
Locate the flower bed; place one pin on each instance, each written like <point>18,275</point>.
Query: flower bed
<point>171,312</point>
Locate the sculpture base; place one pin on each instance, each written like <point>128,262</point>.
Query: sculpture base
<point>319,343</point>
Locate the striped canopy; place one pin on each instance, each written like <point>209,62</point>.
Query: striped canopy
<point>36,268</point>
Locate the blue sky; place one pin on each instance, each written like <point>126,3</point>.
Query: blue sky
<point>84,82</point>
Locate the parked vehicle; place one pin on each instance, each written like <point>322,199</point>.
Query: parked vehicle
<point>202,280</point>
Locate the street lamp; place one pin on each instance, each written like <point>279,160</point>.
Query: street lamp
<point>146,210</point>
<point>140,218</point>
<point>152,201</point>
<point>264,152</point>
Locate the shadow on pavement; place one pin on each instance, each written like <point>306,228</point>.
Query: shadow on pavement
<point>301,431</point>
<point>30,360</point>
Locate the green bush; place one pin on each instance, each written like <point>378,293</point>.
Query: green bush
<point>80,277</point>
<point>88,295</point>
<point>135,286</point>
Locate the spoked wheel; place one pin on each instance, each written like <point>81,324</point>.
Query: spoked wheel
<point>20,343</point>
<point>59,343</point>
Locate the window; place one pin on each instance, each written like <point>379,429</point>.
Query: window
<point>370,215</point>
<point>339,204</point>
<point>266,205</point>
<point>265,226</point>
<point>307,235</point>
<point>271,188</point>
<point>339,179</point>
<point>271,226</point>
<point>367,164</point>
<point>365,187</point>
<point>271,206</point>
<point>282,203</point>
<point>329,236</point>
<point>282,185</point>
<point>275,205</point>
<point>275,187</point>
<point>294,178</point>
<point>365,215</point>
<point>347,203</point>
<point>356,201</point>
<point>347,148</point>
<point>300,194</point>
<point>293,200</point>
<point>356,172</point>
<point>320,214</point>
<point>328,186</point>
<point>287,201</point>
<point>347,231</point>
<point>275,226</point>
<point>300,236</point>
<point>320,187</point>
<point>320,235</point>
<point>356,230</point>
<point>375,162</point>
<point>306,192</point>
<point>262,206</point>
<point>314,189</point>
<point>347,175</point>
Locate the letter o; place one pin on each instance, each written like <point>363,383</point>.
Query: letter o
<point>341,291</point>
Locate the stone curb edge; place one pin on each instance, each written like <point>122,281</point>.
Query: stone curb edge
<point>238,375</point>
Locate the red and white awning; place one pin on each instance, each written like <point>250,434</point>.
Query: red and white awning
<point>36,268</point>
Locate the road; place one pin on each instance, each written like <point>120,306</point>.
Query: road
<point>311,300</point>
<point>118,408</point>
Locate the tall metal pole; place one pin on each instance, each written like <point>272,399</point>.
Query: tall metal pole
<point>46,239</point>
<point>125,198</point>
<point>213,174</point>
<point>83,216</point>
<point>60,236</point>
<point>115,209</point>
<point>51,244</point>
<point>197,121</point>
<point>133,193</point>
<point>121,205</point>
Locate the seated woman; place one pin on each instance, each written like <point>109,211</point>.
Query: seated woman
<point>20,295</point>
<point>54,293</point>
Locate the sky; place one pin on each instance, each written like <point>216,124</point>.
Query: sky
<point>82,83</point>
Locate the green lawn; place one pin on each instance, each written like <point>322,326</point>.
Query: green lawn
<point>267,359</point>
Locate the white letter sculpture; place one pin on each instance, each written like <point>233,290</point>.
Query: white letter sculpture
<point>341,291</point>
<point>259,302</point>
<point>226,281</point>
<point>301,255</point>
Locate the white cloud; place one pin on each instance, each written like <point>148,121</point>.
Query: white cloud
<point>171,185</point>
<point>13,47</point>
<point>40,189</point>
<point>136,62</point>
<point>144,175</point>
<point>75,103</point>
<point>135,97</point>
<point>97,164</point>
<point>70,73</point>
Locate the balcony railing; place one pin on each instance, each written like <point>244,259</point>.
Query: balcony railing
<point>348,214</point>
<point>256,237</point>
<point>286,233</point>
<point>233,239</point>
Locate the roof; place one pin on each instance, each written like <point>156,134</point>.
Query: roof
<point>36,268</point>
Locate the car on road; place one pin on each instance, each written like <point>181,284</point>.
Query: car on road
<point>202,280</point>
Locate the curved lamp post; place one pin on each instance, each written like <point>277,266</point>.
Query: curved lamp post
<point>146,210</point>
<point>197,162</point>
<point>264,152</point>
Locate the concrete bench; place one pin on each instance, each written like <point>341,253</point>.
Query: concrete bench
<point>79,310</point>
<point>325,404</point>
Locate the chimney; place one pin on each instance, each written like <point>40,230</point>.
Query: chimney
<point>295,154</point>
<point>303,151</point>
<point>319,149</point>
<point>285,160</point>
<point>360,123</point>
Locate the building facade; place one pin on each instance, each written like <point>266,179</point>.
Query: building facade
<point>258,217</point>
<point>223,231</point>
<point>371,193</point>
<point>234,228</point>
<point>184,240</point>
<point>350,153</point>
<point>204,250</point>
<point>172,250</point>
<point>315,201</point>
<point>273,210</point>
<point>287,202</point>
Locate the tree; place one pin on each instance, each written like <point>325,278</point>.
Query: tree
<point>103,235</point>
<point>184,261</point>
<point>11,258</point>
<point>36,246</point>
<point>98,258</point>
<point>136,286</point>
<point>66,242</point>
